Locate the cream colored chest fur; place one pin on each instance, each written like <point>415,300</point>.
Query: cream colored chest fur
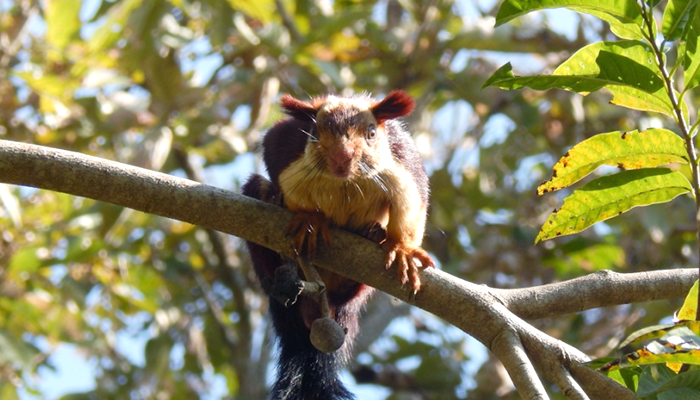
<point>359,202</point>
<point>349,203</point>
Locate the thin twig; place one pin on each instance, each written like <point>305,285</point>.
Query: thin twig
<point>288,21</point>
<point>683,125</point>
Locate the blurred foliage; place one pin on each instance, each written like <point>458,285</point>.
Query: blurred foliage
<point>161,309</point>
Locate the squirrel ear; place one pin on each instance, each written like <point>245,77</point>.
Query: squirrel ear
<point>298,109</point>
<point>396,104</point>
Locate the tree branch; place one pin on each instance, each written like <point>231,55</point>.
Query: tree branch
<point>478,310</point>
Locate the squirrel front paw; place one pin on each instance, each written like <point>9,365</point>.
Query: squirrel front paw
<point>305,228</point>
<point>404,258</point>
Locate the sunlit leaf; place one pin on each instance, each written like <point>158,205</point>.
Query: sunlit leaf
<point>623,30</point>
<point>626,68</point>
<point>613,195</point>
<point>627,12</point>
<point>8,391</point>
<point>51,85</point>
<point>262,10</point>
<point>677,15</point>
<point>628,150</point>
<point>688,311</point>
<point>691,56</point>
<point>581,254</point>
<point>110,32</point>
<point>630,97</point>
<point>628,377</point>
<point>62,22</point>
<point>25,260</point>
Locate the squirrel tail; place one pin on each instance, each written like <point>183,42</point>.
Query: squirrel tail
<point>304,372</point>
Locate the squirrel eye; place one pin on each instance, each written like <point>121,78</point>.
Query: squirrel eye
<point>371,132</point>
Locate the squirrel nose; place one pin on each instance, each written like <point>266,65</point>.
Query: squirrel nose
<point>341,156</point>
<point>340,160</point>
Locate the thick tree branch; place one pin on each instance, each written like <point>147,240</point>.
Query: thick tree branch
<point>600,289</point>
<point>478,310</point>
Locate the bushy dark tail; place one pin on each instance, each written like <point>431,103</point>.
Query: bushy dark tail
<point>303,372</point>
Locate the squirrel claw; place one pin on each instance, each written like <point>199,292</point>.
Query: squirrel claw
<point>305,228</point>
<point>406,268</point>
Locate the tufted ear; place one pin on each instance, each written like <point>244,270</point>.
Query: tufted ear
<point>301,110</point>
<point>396,104</point>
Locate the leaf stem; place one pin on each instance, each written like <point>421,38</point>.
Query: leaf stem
<point>682,123</point>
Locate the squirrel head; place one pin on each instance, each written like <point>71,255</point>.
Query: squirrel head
<point>349,134</point>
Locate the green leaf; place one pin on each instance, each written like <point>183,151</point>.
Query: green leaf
<point>624,30</point>
<point>626,68</point>
<point>590,258</point>
<point>62,22</point>
<point>688,310</point>
<point>691,55</point>
<point>652,378</point>
<point>51,85</point>
<point>612,195</point>
<point>16,351</point>
<point>625,11</point>
<point>628,377</point>
<point>157,354</point>
<point>110,32</point>
<point>262,10</point>
<point>688,379</point>
<point>629,150</point>
<point>677,16</point>
<point>25,260</point>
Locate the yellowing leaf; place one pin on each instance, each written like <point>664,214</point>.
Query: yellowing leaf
<point>688,311</point>
<point>612,195</point>
<point>644,356</point>
<point>678,345</point>
<point>658,331</point>
<point>629,150</point>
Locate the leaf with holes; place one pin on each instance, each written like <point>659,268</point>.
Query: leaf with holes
<point>658,331</point>
<point>629,150</point>
<point>613,195</point>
